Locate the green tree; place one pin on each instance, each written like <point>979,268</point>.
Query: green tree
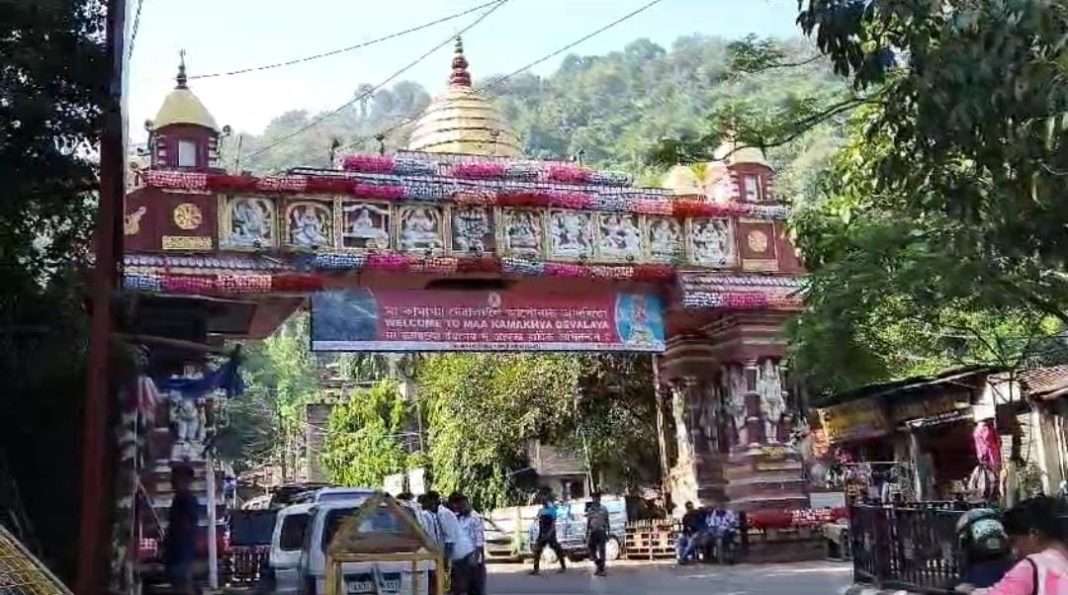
<point>364,442</point>
<point>51,97</point>
<point>267,424</point>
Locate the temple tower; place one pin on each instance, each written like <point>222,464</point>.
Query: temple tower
<point>724,384</point>
<point>184,134</point>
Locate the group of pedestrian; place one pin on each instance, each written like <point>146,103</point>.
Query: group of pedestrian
<point>703,531</point>
<point>597,530</point>
<point>460,533</point>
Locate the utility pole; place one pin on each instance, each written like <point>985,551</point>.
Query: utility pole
<point>93,547</point>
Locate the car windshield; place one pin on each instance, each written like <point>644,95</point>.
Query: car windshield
<point>381,522</point>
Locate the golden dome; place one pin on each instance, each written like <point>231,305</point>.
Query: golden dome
<point>682,179</point>
<point>463,121</point>
<point>731,154</point>
<point>181,106</point>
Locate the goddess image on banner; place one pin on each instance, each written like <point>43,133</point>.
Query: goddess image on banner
<point>428,320</point>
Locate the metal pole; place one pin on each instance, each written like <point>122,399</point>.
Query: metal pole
<point>213,546</point>
<point>95,477</point>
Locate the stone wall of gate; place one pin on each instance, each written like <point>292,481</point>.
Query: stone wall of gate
<point>733,415</point>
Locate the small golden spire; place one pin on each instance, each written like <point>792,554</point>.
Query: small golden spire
<point>181,70</point>
<point>459,77</point>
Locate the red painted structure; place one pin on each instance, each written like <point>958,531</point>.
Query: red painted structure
<point>236,254</point>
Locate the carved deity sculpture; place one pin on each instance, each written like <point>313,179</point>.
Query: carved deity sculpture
<point>419,229</point>
<point>250,222</point>
<point>310,226</point>
<point>734,401</point>
<point>682,429</point>
<point>190,425</point>
<point>665,239</point>
<point>365,227</point>
<point>522,232</point>
<point>571,234</point>
<point>772,401</point>
<point>469,229</point>
<point>710,415</point>
<point>712,241</point>
<point>620,236</point>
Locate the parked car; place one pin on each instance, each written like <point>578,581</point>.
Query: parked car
<point>503,545</point>
<point>571,529</point>
<point>287,541</point>
<point>325,518</point>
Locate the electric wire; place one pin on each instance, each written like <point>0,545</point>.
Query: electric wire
<point>315,122</point>
<point>343,50</point>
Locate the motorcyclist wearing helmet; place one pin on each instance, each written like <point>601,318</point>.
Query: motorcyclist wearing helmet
<point>985,546</point>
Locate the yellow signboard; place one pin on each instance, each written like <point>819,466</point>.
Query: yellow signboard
<point>856,420</point>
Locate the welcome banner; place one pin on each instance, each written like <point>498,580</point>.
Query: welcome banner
<point>433,320</point>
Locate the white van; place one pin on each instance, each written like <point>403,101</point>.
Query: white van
<point>364,577</point>
<point>287,541</point>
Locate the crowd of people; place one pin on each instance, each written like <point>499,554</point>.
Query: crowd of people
<point>460,532</point>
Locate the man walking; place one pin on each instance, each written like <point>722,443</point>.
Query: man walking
<point>597,527</point>
<point>181,538</point>
<point>547,535</point>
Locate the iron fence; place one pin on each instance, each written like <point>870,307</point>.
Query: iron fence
<point>911,547</point>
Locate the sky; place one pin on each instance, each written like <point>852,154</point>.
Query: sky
<point>223,35</point>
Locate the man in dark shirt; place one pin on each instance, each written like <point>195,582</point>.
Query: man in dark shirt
<point>547,535</point>
<point>693,524</point>
<point>597,526</point>
<point>180,549</point>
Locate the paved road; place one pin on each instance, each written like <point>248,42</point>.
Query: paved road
<point>813,578</point>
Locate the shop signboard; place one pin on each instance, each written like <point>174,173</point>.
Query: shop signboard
<point>855,420</point>
<point>437,320</point>
<point>941,406</point>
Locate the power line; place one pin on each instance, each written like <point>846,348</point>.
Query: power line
<point>372,90</point>
<point>499,80</point>
<point>346,49</point>
<point>136,26</point>
<point>578,41</point>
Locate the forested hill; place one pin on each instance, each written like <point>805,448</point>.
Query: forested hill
<point>612,108</point>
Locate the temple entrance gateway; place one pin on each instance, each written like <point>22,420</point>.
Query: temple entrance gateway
<point>463,244</point>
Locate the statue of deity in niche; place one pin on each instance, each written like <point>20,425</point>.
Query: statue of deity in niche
<point>310,226</point>
<point>251,222</point>
<point>189,426</point>
<point>620,236</point>
<point>772,401</point>
<point>665,239</point>
<point>420,229</point>
<point>570,234</point>
<point>522,233</point>
<point>366,226</point>
<point>712,241</point>
<point>470,228</point>
<point>734,391</point>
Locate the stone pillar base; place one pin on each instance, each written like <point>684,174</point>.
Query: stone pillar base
<point>765,478</point>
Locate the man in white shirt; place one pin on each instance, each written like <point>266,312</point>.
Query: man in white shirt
<point>472,524</point>
<point>457,545</point>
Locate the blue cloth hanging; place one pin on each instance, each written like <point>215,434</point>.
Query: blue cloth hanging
<point>226,377</point>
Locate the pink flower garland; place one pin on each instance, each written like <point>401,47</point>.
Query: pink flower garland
<point>570,174</point>
<point>564,200</point>
<point>479,170</point>
<point>383,261</point>
<point>372,164</point>
<point>374,191</point>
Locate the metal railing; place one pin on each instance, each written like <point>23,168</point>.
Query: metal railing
<point>912,547</point>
